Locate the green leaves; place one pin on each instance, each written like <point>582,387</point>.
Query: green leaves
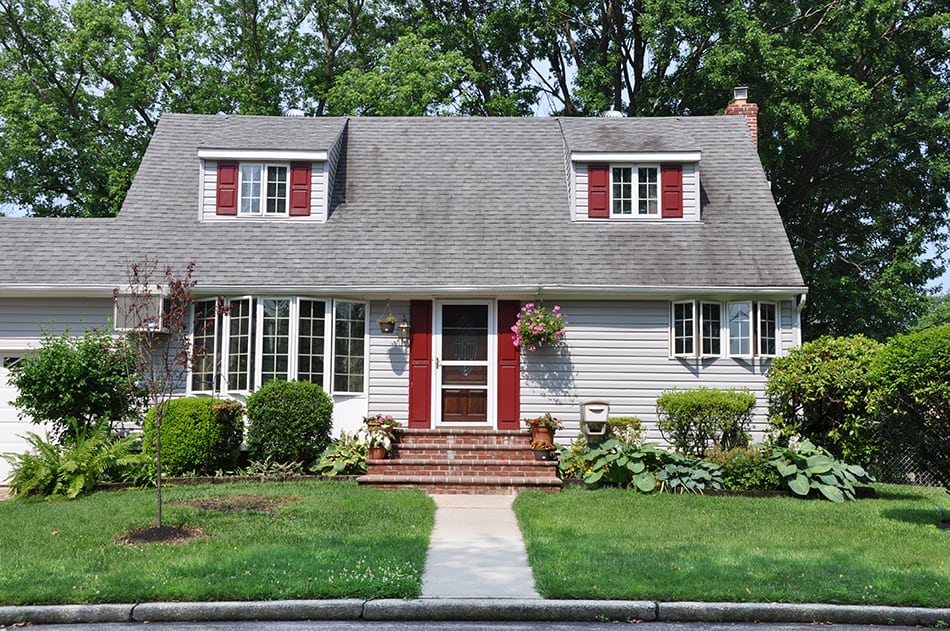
<point>805,468</point>
<point>77,382</point>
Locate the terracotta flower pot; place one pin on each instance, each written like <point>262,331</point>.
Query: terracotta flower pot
<point>376,453</point>
<point>542,433</point>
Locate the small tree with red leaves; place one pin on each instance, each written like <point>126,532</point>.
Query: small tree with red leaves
<point>155,310</point>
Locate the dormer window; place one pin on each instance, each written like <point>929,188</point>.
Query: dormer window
<point>263,187</point>
<point>636,186</point>
<point>257,184</point>
<point>634,190</point>
<point>641,191</point>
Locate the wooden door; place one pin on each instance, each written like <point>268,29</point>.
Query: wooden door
<point>463,363</point>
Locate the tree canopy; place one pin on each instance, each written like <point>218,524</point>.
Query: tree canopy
<point>853,95</point>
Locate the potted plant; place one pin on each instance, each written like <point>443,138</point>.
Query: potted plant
<point>385,421</point>
<point>378,440</point>
<point>536,326</point>
<point>379,432</point>
<point>387,321</point>
<point>543,450</point>
<point>543,427</point>
<point>386,324</point>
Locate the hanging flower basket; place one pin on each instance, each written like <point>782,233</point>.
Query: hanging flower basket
<point>537,327</point>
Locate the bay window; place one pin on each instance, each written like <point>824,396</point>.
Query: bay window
<point>249,341</point>
<point>739,329</point>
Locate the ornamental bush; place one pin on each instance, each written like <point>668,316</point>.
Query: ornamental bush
<point>76,382</point>
<point>745,469</point>
<point>821,391</point>
<point>200,435</point>
<point>695,420</point>
<point>288,421</point>
<point>912,400</point>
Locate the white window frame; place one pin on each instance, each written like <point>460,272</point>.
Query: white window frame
<point>635,199</point>
<point>215,351</point>
<point>222,336</point>
<point>674,329</point>
<point>262,198</point>
<point>747,351</point>
<point>332,354</point>
<point>702,329</point>
<point>774,332</point>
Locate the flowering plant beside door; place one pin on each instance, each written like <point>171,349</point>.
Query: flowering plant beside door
<point>545,420</point>
<point>536,326</point>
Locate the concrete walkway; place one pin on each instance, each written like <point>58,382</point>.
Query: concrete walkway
<point>476,550</point>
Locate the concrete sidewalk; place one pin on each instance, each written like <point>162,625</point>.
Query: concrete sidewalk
<point>476,550</point>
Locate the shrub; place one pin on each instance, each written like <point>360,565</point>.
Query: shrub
<point>77,382</point>
<point>694,420</point>
<point>344,456</point>
<point>626,429</point>
<point>912,401</point>
<point>745,469</point>
<point>288,421</point>
<point>67,471</point>
<point>199,435</point>
<point>821,392</point>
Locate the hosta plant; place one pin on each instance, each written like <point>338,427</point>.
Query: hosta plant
<point>344,456</point>
<point>806,468</point>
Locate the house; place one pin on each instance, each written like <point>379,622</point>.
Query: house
<point>658,238</point>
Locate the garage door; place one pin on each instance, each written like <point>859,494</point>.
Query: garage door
<point>11,427</point>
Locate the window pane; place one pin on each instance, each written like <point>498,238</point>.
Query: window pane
<point>350,326</point>
<point>310,347</point>
<point>240,346</point>
<point>275,342</point>
<point>204,329</point>
<point>712,326</point>
<point>647,189</point>
<point>276,189</point>
<point>767,328</point>
<point>683,328</point>
<point>740,328</point>
<point>251,188</point>
<point>622,190</point>
<point>465,333</point>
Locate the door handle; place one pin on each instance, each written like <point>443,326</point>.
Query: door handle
<point>437,363</point>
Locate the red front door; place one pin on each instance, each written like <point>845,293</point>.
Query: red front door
<point>463,363</point>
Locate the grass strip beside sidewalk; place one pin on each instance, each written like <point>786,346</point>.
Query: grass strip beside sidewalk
<point>613,544</point>
<point>319,540</point>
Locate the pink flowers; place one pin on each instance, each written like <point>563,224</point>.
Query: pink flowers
<point>537,326</point>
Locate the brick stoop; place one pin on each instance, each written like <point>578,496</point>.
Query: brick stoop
<point>462,461</point>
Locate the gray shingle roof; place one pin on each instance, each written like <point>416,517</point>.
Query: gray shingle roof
<point>429,203</point>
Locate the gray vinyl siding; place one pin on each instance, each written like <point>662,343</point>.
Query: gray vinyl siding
<point>388,363</point>
<point>691,209</point>
<point>26,318</point>
<point>618,352</point>
<point>319,194</point>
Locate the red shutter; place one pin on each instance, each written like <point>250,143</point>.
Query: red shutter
<point>509,367</point>
<point>227,193</point>
<point>671,179</point>
<point>299,189</point>
<point>420,364</point>
<point>598,191</point>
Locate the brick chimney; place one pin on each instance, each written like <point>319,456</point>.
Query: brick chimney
<point>740,106</point>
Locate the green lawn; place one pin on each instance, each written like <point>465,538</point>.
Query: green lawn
<point>332,540</point>
<point>612,544</point>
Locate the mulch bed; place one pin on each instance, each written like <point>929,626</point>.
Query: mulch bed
<point>174,535</point>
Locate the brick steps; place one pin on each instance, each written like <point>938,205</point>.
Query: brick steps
<point>462,461</point>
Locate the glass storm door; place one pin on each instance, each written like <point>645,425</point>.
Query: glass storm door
<point>462,360</point>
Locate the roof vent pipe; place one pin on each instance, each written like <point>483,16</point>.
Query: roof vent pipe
<point>611,113</point>
<point>293,112</point>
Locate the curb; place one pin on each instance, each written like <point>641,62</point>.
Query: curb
<point>475,610</point>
